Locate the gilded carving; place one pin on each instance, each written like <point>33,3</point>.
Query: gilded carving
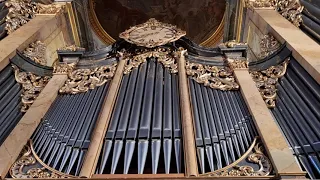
<point>22,11</point>
<point>268,45</point>
<point>36,52</point>
<point>267,80</point>
<point>162,55</point>
<point>63,68</point>
<point>81,80</point>
<point>71,48</point>
<point>32,85</point>
<point>255,155</point>
<point>290,9</point>
<point>29,165</point>
<point>237,63</point>
<point>215,77</point>
<point>152,34</point>
<point>233,43</point>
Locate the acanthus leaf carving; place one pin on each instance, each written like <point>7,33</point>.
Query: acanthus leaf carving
<point>32,85</point>
<point>63,67</point>
<point>215,77</point>
<point>36,52</point>
<point>29,165</point>
<point>71,48</point>
<point>254,155</point>
<point>81,80</point>
<point>237,63</point>
<point>266,82</point>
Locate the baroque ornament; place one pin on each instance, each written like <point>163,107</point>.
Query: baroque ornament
<point>290,9</point>
<point>268,45</point>
<point>215,77</point>
<point>63,68</point>
<point>81,80</point>
<point>237,63</point>
<point>72,48</point>
<point>152,34</point>
<point>162,55</point>
<point>36,52</point>
<point>254,155</point>
<point>22,11</point>
<point>32,85</point>
<point>29,165</point>
<point>233,43</point>
<point>266,82</point>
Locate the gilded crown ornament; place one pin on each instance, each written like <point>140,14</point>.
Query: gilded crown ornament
<point>152,34</point>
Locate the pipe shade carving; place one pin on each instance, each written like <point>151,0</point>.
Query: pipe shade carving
<point>81,80</point>
<point>254,155</point>
<point>215,77</point>
<point>32,86</point>
<point>266,82</point>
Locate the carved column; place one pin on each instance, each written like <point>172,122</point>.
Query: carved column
<point>283,161</point>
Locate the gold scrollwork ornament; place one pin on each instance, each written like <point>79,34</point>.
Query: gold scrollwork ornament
<point>63,68</point>
<point>81,80</point>
<point>215,77</point>
<point>36,52</point>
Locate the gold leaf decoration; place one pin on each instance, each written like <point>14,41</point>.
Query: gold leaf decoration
<point>36,52</point>
<point>63,68</point>
<point>266,82</point>
<point>163,56</point>
<point>215,77</point>
<point>255,154</point>
<point>32,85</point>
<point>29,165</point>
<point>237,63</point>
<point>72,48</point>
<point>81,80</point>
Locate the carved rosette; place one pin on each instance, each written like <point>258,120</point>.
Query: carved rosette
<point>254,156</point>
<point>268,45</point>
<point>32,85</point>
<point>22,11</point>
<point>29,165</point>
<point>266,82</point>
<point>237,63</point>
<point>36,52</point>
<point>81,80</point>
<point>63,68</point>
<point>215,77</point>
<point>163,56</point>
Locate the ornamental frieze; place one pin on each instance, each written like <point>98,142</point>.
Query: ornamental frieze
<point>32,85</point>
<point>268,45</point>
<point>266,82</point>
<point>212,76</point>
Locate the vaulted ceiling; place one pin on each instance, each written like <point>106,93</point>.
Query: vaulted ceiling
<point>199,18</point>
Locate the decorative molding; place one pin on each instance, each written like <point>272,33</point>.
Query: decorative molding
<point>237,63</point>
<point>253,157</point>
<point>36,52</point>
<point>268,45</point>
<point>22,11</point>
<point>290,9</point>
<point>266,82</point>
<point>29,165</point>
<point>215,77</point>
<point>71,48</point>
<point>63,67</point>
<point>32,86</point>
<point>81,80</point>
<point>162,33</point>
<point>163,56</point>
